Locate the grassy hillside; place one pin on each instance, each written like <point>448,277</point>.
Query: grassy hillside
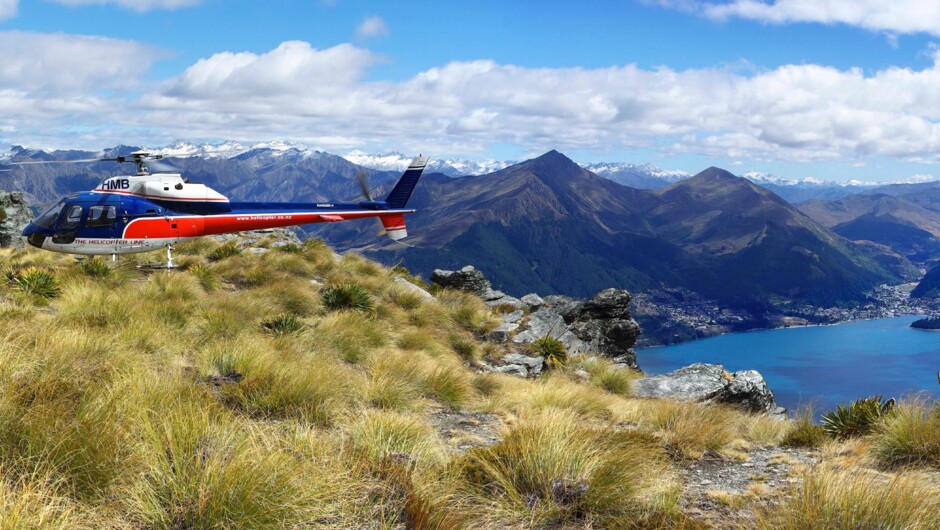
<point>299,389</point>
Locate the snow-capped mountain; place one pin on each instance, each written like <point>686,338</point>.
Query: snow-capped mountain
<point>231,149</point>
<point>448,166</point>
<point>644,176</point>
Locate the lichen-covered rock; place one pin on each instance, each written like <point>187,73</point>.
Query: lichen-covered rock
<point>533,364</point>
<point>533,300</point>
<point>405,284</point>
<point>14,216</point>
<point>701,382</point>
<point>466,279</point>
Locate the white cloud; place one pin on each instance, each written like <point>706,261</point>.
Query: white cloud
<point>8,8</point>
<point>135,5</point>
<point>45,63</point>
<point>324,97</point>
<point>372,27</point>
<point>895,16</point>
<point>796,112</point>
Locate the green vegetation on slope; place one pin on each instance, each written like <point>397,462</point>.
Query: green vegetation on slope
<point>234,394</point>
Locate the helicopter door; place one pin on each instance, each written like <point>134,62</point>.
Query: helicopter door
<point>68,225</point>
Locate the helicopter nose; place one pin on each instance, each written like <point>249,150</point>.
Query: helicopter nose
<point>34,235</point>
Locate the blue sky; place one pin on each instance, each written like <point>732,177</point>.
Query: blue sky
<point>829,89</point>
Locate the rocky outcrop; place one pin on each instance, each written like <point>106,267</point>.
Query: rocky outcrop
<point>602,325</point>
<point>471,280</point>
<point>14,216</point>
<point>746,389</point>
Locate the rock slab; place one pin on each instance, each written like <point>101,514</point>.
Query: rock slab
<point>701,382</point>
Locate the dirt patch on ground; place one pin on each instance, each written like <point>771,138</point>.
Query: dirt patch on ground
<point>724,491</point>
<point>462,431</point>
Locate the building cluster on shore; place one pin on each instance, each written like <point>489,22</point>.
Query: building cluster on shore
<point>676,315</point>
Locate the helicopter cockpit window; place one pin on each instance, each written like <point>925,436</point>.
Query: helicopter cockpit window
<point>47,219</point>
<point>72,218</point>
<point>99,216</point>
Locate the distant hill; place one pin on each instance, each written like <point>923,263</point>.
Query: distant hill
<point>929,286</point>
<point>907,219</point>
<point>548,225</point>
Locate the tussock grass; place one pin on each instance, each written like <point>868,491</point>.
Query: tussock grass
<point>467,311</point>
<point>803,432</point>
<point>200,474</point>
<point>552,468</point>
<point>839,500</point>
<point>36,501</point>
<point>604,375</point>
<point>690,430</point>
<point>910,435</point>
<point>558,392</point>
<point>173,406</point>
<point>764,430</point>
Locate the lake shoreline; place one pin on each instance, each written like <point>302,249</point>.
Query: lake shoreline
<point>825,363</point>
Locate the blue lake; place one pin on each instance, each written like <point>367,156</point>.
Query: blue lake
<point>822,365</point>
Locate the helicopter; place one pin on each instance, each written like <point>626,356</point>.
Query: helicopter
<point>157,208</point>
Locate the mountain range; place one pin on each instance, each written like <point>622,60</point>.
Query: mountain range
<point>544,225</point>
<point>549,225</point>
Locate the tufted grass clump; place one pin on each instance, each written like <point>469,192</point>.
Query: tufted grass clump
<point>347,296</point>
<point>857,418</point>
<point>552,468</point>
<point>41,283</point>
<point>909,436</point>
<point>554,352</point>
<point>96,268</point>
<point>208,278</point>
<point>291,248</point>
<point>225,250</point>
<point>202,474</point>
<point>283,325</point>
<point>839,500</point>
<point>803,432</point>
<point>692,430</point>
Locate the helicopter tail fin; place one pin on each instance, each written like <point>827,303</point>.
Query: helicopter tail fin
<point>400,194</point>
<point>395,226</point>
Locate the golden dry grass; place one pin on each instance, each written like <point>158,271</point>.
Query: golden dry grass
<point>160,400</point>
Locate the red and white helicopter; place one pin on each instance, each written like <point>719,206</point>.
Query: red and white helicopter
<point>154,210</point>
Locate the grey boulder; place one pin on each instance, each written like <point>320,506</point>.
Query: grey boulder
<point>701,382</point>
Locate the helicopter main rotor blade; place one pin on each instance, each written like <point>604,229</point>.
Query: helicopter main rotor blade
<point>84,160</point>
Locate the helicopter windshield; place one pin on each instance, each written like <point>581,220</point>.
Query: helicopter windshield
<point>47,219</point>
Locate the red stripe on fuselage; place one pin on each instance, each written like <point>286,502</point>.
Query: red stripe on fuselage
<point>203,225</point>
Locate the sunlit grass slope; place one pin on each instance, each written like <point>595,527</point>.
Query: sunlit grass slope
<point>296,388</point>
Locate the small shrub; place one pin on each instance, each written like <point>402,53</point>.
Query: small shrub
<point>96,268</point>
<point>554,352</point>
<point>911,435</point>
<point>225,250</point>
<point>803,432</point>
<point>37,282</point>
<point>857,418</point>
<point>349,296</point>
<point>283,325</point>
